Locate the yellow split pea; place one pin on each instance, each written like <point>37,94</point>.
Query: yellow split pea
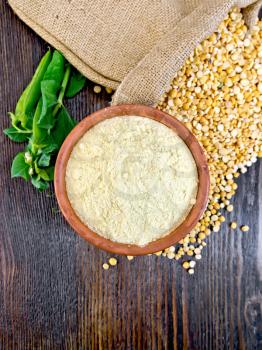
<point>217,95</point>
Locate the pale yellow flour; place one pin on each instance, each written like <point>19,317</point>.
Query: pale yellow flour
<point>131,179</point>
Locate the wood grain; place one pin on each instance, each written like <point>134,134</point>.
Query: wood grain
<point>54,293</point>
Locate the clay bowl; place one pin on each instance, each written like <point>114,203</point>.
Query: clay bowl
<point>176,234</point>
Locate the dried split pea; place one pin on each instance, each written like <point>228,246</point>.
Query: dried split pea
<point>230,208</point>
<point>192,264</point>
<point>190,252</point>
<point>201,235</point>
<point>233,225</point>
<point>105,266</point>
<point>186,265</point>
<point>219,83</point>
<point>97,89</point>
<point>222,218</point>
<point>170,255</point>
<point>197,251</point>
<point>112,261</point>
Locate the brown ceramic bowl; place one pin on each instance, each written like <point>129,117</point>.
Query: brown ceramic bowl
<point>118,248</point>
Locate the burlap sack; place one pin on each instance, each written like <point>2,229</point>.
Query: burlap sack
<point>134,46</point>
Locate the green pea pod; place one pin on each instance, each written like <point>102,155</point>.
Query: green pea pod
<point>50,87</point>
<point>41,118</point>
<point>38,134</point>
<point>26,104</point>
<point>55,69</point>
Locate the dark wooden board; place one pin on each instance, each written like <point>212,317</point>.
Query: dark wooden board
<point>54,293</point>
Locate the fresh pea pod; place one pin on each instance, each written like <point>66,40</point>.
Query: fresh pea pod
<point>41,118</point>
<point>50,87</point>
<point>55,69</point>
<point>62,90</point>
<point>26,104</point>
<point>38,134</point>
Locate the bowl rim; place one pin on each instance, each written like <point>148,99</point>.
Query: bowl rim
<point>94,238</point>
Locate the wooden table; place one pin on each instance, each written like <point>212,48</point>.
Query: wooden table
<point>54,293</point>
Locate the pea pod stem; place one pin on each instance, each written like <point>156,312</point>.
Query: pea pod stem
<point>36,130</point>
<point>22,131</point>
<point>62,90</point>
